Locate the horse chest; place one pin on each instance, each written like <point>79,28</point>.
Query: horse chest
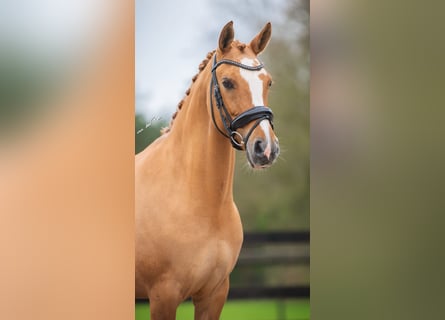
<point>208,253</point>
<point>212,264</point>
<point>213,245</point>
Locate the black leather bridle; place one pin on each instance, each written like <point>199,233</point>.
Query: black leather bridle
<point>257,113</point>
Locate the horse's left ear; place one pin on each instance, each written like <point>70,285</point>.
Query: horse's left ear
<point>259,43</point>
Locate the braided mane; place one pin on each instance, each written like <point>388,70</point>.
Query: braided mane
<point>187,92</point>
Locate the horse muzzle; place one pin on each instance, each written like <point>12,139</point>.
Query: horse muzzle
<point>262,153</point>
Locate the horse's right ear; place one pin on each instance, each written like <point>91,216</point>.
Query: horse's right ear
<point>226,37</point>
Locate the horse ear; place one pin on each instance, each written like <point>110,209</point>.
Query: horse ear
<point>226,37</point>
<point>259,43</point>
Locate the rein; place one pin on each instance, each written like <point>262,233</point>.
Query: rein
<point>231,126</point>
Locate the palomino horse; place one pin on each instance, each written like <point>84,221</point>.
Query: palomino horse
<point>188,229</point>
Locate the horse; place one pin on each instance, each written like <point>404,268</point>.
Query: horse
<point>188,231</point>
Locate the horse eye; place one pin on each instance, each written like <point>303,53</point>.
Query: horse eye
<point>227,84</point>
<point>270,83</point>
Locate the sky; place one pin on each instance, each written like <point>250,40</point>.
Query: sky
<point>172,38</point>
<point>169,48</point>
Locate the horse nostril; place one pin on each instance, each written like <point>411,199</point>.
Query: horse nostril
<point>258,147</point>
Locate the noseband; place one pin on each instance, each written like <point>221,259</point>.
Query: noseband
<point>257,113</point>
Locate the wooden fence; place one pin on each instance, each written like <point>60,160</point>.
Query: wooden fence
<point>247,259</point>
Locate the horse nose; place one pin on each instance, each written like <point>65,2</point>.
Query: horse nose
<point>265,150</point>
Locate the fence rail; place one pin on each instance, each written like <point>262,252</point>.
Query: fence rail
<point>276,237</point>
<point>268,292</point>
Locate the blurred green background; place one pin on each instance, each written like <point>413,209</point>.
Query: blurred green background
<point>377,177</point>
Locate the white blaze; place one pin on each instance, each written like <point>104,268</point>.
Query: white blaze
<point>256,88</point>
<point>264,124</point>
<point>254,81</point>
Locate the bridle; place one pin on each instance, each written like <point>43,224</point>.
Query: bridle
<point>231,126</point>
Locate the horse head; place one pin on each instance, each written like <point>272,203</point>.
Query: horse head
<point>238,93</point>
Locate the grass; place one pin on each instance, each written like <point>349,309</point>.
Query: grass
<point>289,309</point>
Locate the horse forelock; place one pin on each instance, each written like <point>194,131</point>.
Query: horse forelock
<point>239,45</point>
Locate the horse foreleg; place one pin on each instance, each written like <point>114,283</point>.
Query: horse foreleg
<point>164,300</point>
<point>210,307</point>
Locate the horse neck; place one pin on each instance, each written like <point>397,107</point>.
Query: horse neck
<point>206,156</point>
